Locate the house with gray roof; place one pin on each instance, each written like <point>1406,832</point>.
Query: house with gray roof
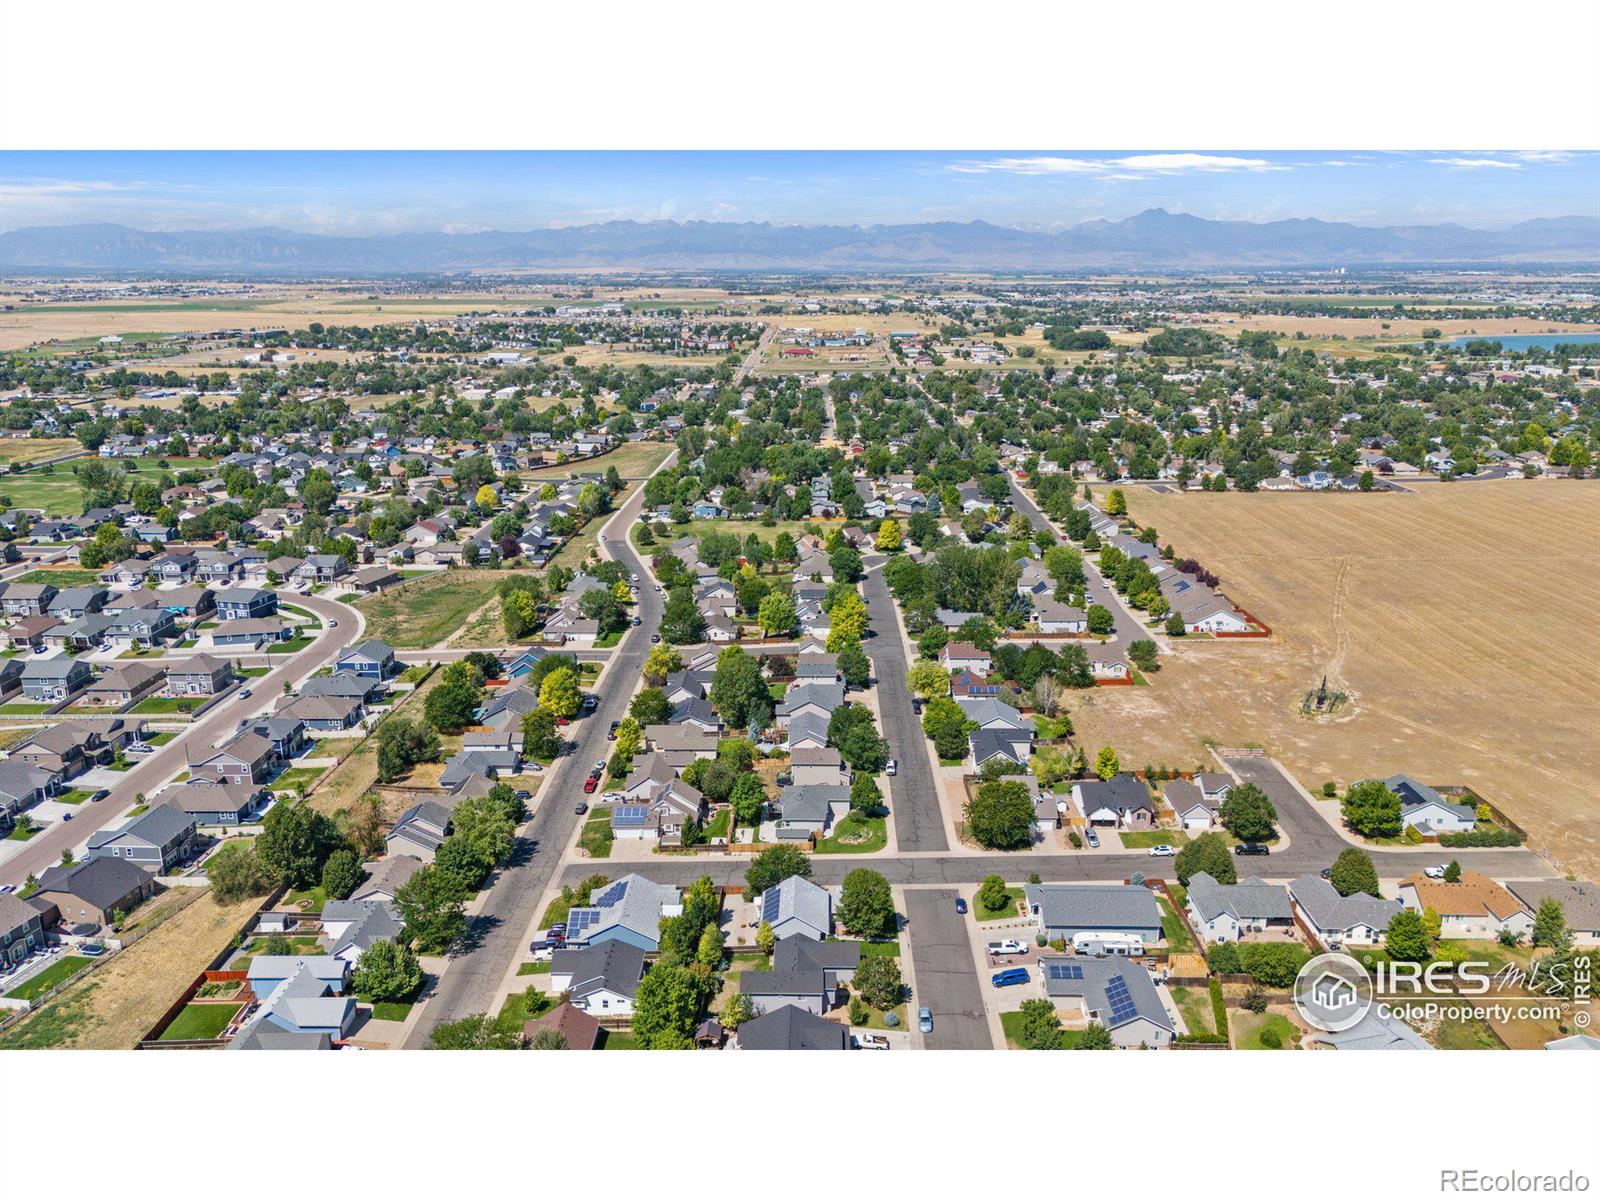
<point>386,877</point>
<point>1121,802</point>
<point>247,757</point>
<point>351,926</point>
<point>1579,900</point>
<point>21,930</point>
<point>817,696</point>
<point>811,975</point>
<point>808,730</point>
<point>46,680</point>
<point>1013,746</point>
<point>811,808</point>
<point>1426,811</point>
<point>1225,912</point>
<point>797,907</point>
<point>212,803</point>
<point>1065,909</point>
<point>602,979</point>
<point>89,892</point>
<point>371,659</point>
<point>989,713</point>
<point>627,910</point>
<point>420,831</point>
<point>21,787</point>
<point>1112,992</point>
<point>1341,920</point>
<point>157,841</point>
<point>302,1004</point>
<point>1196,812</point>
<point>788,1027</point>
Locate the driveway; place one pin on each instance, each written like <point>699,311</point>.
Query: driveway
<point>946,977</point>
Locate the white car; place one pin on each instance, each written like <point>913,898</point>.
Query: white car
<point>1162,851</point>
<point>870,1041</point>
<point>1433,872</point>
<point>1009,946</point>
<point>613,798</point>
<point>891,767</point>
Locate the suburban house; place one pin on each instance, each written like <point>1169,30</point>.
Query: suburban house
<point>1227,912</point>
<point>244,603</point>
<point>1121,802</point>
<point>245,758</point>
<point>1005,745</point>
<point>1475,906</point>
<point>956,656</point>
<point>1066,909</point>
<point>810,809</point>
<point>21,787</point>
<point>807,974</point>
<point>64,750</point>
<point>89,892</point>
<point>142,626</point>
<point>420,831</point>
<point>1196,812</point>
<point>601,979</point>
<point>157,840</point>
<point>788,1027</point>
<point>386,877</point>
<point>1426,811</point>
<point>125,684</point>
<point>350,926</point>
<point>1358,920</point>
<point>680,745</point>
<point>1114,993</point>
<point>966,683</point>
<point>21,930</point>
<point>324,714</point>
<point>215,803</point>
<point>301,1003</point>
<point>371,659</point>
<point>46,680</point>
<point>27,599</point>
<point>628,910</point>
<point>199,675</point>
<point>1579,900</point>
<point>577,1029</point>
<point>816,696</point>
<point>818,765</point>
<point>797,907</point>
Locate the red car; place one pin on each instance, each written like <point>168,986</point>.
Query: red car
<point>590,784</point>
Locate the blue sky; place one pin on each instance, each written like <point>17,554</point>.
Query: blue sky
<point>364,193</point>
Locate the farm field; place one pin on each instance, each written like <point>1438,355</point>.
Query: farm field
<point>1456,617</point>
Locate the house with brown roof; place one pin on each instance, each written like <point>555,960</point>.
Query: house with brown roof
<point>199,675</point>
<point>577,1028</point>
<point>125,684</point>
<point>1475,906</point>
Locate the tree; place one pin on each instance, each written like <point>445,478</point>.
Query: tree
<point>1039,1029</point>
<point>845,564</point>
<point>386,971</point>
<point>854,665</point>
<point>866,908</point>
<point>294,843</point>
<point>736,1010</point>
<point>549,1039</point>
<point>992,893</point>
<point>1175,626</point>
<point>776,614</point>
<point>1550,925</point>
<point>772,866</point>
<point>847,619</point>
<point>1116,503</point>
<point>341,875</point>
<point>865,795</point>
<point>1248,814</point>
<point>738,690</point>
<point>1000,815</point>
<point>1100,619</point>
<point>877,980</point>
<point>681,622</point>
<point>1353,872</point>
<point>662,661</point>
<point>889,536</point>
<point>401,745</point>
<point>650,707</point>
<point>1095,1037</point>
<point>540,737</point>
<point>928,680</point>
<point>477,1032</point>
<point>431,907</point>
<point>1372,810</point>
<point>1208,853</point>
<point>747,797</point>
<point>1452,872</point>
<point>559,693</point>
<point>708,953</point>
<point>237,874</point>
<point>1406,939</point>
<point>666,1002</point>
<point>450,706</point>
<point>486,499</point>
<point>1143,654</point>
<point>1106,764</point>
<point>766,939</point>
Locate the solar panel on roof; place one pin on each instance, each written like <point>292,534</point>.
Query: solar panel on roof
<point>769,906</point>
<point>611,895</point>
<point>1122,1005</point>
<point>1065,971</point>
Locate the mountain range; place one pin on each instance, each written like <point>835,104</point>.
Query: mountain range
<point>1154,240</point>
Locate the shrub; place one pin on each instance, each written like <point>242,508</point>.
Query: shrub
<point>1077,842</point>
<point>1219,1009</point>
<point>1480,837</point>
<point>1272,963</point>
<point>859,1012</point>
<point>1271,1038</point>
<point>1223,958</point>
<point>1255,998</point>
<point>1330,789</point>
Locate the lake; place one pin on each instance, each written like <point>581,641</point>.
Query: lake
<point>1528,341</point>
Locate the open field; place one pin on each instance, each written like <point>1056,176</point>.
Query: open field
<point>632,460</point>
<point>425,611</point>
<point>112,1007</point>
<point>31,450</point>
<point>1457,617</point>
<point>54,490</point>
<point>1385,327</point>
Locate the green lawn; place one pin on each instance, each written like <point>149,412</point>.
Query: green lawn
<point>313,898</point>
<point>23,708</point>
<point>1195,1005</point>
<point>255,672</point>
<point>1143,839</point>
<point>1456,1033</point>
<point>392,1010</point>
<point>720,825</point>
<point>298,779</point>
<point>617,1039</point>
<point>524,1006</point>
<point>299,944</point>
<point>160,739</point>
<point>856,834</point>
<point>60,577</point>
<point>1176,933</point>
<point>534,968</point>
<point>75,796</point>
<point>425,611</point>
<point>167,704</point>
<point>199,1022</point>
<point>1011,1023</point>
<point>1248,1028</point>
<point>19,834</point>
<point>293,646</point>
<point>875,1019</point>
<point>59,971</point>
<point>1011,908</point>
<point>881,949</point>
<point>596,836</point>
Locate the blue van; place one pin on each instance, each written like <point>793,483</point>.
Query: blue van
<point>1009,977</point>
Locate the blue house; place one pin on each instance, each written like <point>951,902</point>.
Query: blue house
<point>523,663</point>
<point>243,604</point>
<point>371,659</point>
<point>629,910</point>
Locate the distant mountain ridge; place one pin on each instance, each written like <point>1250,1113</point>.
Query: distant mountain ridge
<point>1151,240</point>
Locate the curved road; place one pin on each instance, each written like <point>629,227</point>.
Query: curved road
<point>44,850</point>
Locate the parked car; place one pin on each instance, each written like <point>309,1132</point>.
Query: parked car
<point>590,703</point>
<point>612,797</point>
<point>634,577</point>
<point>583,806</point>
<point>1010,977</point>
<point>99,795</point>
<point>869,1041</point>
<point>590,784</point>
<point>1326,872</point>
<point>600,765</point>
<point>925,1020</point>
<point>961,906</point>
<point>611,734</point>
<point>1162,851</point>
<point>1093,839</point>
<point>1250,850</point>
<point>891,767</point>
<point>244,693</point>
<point>1009,946</point>
<point>654,638</point>
<point>1433,872</point>
<point>634,621</point>
<point>7,888</point>
<point>333,624</point>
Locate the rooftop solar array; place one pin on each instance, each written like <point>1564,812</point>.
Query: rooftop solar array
<point>769,905</point>
<point>579,921</point>
<point>1122,1005</point>
<point>611,895</point>
<point>1065,971</point>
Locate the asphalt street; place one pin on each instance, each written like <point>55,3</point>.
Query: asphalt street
<point>913,790</point>
<point>44,849</point>
<point>946,978</point>
<point>471,984</point>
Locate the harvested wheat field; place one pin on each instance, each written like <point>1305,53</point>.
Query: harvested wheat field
<point>1460,618</point>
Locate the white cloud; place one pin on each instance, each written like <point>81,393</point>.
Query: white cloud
<point>1544,156</point>
<point>1126,168</point>
<point>1476,164</point>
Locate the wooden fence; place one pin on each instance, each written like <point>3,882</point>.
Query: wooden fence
<point>1262,630</point>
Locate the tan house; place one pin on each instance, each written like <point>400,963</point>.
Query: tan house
<point>126,684</point>
<point>1475,906</point>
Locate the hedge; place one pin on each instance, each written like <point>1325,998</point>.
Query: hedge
<point>1219,1009</point>
<point>1481,837</point>
<point>1274,964</point>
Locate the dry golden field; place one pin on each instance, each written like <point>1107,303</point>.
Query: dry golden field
<point>1385,327</point>
<point>1461,619</point>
